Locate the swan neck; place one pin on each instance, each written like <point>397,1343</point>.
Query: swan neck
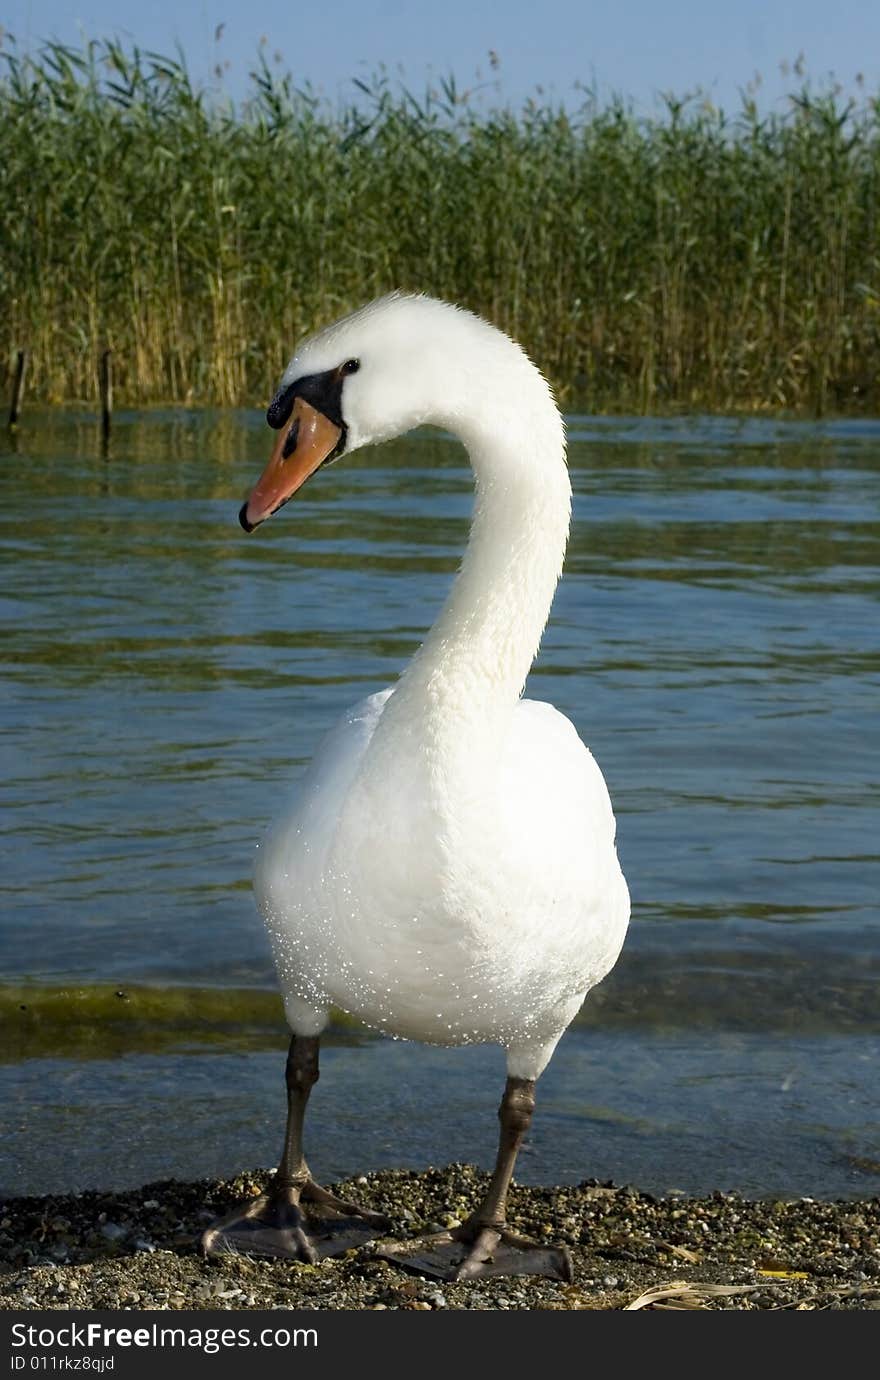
<point>477,656</point>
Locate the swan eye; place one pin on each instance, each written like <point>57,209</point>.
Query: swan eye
<point>351,366</point>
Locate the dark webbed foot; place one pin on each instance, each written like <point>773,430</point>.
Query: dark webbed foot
<point>295,1219</point>
<point>484,1245</point>
<point>476,1251</point>
<point>303,1223</point>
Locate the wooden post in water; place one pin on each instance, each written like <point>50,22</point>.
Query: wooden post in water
<point>17,388</point>
<point>105,382</point>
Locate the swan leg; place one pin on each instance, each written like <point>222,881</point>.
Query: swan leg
<point>484,1244</point>
<point>295,1218</point>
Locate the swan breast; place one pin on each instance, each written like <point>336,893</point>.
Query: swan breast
<point>473,923</point>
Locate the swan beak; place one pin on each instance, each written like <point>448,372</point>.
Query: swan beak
<point>303,445</point>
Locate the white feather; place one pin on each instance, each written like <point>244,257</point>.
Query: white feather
<point>447,871</point>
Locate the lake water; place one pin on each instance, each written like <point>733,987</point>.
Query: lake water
<point>714,640</point>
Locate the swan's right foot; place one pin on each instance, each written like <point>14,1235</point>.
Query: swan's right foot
<point>295,1219</point>
<point>295,1222</point>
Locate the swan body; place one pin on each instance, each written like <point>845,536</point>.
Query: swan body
<point>489,927</point>
<point>446,870</point>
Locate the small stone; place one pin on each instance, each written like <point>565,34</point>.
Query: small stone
<point>113,1231</point>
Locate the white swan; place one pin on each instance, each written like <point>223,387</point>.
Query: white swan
<point>447,871</point>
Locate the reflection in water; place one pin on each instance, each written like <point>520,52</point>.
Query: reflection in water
<point>715,641</point>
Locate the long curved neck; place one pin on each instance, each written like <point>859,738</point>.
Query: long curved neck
<point>482,645</point>
<point>458,690</point>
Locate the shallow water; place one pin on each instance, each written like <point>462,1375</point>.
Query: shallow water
<point>715,642</point>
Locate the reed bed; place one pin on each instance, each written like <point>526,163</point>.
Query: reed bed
<point>692,260</point>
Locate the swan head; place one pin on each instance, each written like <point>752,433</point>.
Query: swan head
<point>401,362</point>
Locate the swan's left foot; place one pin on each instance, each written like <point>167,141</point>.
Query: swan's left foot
<point>475,1251</point>
<point>304,1223</point>
<point>484,1245</point>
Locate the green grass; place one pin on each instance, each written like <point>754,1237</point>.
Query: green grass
<point>689,261</point>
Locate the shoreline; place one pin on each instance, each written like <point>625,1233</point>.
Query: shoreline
<point>136,1248</point>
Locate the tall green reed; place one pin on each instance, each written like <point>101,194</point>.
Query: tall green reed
<point>688,260</point>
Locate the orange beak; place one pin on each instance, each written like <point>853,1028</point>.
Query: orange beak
<point>308,439</point>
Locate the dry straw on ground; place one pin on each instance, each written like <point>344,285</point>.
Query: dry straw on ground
<point>631,1251</point>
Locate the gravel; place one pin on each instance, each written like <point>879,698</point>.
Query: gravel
<point>137,1249</point>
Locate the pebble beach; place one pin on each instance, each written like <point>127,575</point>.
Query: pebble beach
<point>137,1249</point>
